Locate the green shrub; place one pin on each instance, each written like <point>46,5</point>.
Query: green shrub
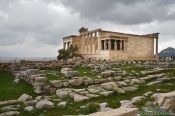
<point>90,108</point>
<point>68,53</point>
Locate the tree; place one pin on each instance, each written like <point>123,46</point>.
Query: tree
<point>69,53</point>
<point>63,54</point>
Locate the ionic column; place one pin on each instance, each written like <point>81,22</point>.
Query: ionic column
<point>102,44</point>
<point>105,45</point>
<point>109,44</point>
<point>115,45</point>
<point>156,47</point>
<point>120,44</point>
<point>124,44</point>
<point>90,45</point>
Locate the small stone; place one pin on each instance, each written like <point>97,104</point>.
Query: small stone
<point>97,81</point>
<point>28,108</point>
<point>40,79</point>
<point>126,104</point>
<point>117,78</point>
<point>108,73</point>
<point>31,103</point>
<point>62,104</point>
<point>76,81</point>
<point>86,82</point>
<point>79,98</point>
<point>24,98</point>
<point>137,99</point>
<point>153,83</point>
<point>103,106</point>
<point>130,88</point>
<point>56,83</point>
<point>148,93</point>
<point>10,108</point>
<point>122,83</point>
<point>62,93</point>
<point>16,80</point>
<point>66,84</point>
<point>92,90</point>
<point>119,90</point>
<point>10,113</point>
<point>106,93</point>
<point>44,104</point>
<point>135,81</point>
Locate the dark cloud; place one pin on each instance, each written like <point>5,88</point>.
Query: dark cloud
<point>29,24</point>
<point>34,19</point>
<point>122,11</point>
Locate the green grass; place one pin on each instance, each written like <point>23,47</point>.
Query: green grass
<point>85,72</point>
<point>52,77</point>
<point>169,72</point>
<point>135,69</point>
<point>10,90</point>
<point>131,69</point>
<point>113,101</point>
<point>57,73</point>
<point>54,74</point>
<point>90,108</point>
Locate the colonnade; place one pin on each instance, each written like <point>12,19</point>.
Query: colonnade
<point>111,44</point>
<point>66,45</point>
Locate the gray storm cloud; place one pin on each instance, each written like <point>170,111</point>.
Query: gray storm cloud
<point>46,21</point>
<point>33,19</point>
<point>123,11</point>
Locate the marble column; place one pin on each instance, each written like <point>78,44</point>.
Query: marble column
<point>156,47</point>
<point>115,44</point>
<point>102,44</point>
<point>124,44</point>
<point>120,44</point>
<point>105,45</point>
<point>109,44</point>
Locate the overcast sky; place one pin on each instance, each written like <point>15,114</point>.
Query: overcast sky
<point>36,27</point>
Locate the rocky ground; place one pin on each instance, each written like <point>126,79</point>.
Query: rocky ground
<point>133,88</point>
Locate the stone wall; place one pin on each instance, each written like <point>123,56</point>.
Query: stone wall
<point>137,48</point>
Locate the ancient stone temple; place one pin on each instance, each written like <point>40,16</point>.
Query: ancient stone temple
<point>101,44</point>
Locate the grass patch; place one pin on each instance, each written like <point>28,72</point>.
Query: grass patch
<point>85,72</point>
<point>169,72</point>
<point>132,69</point>
<point>90,108</point>
<point>52,77</point>
<point>10,90</point>
<point>113,101</point>
<point>54,74</point>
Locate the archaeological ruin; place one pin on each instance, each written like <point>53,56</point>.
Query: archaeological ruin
<point>101,44</point>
